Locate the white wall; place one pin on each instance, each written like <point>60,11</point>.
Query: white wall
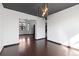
<point>40,29</point>
<point>11,26</point>
<point>1,27</point>
<point>64,25</point>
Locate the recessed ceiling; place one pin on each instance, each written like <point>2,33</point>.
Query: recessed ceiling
<point>32,8</point>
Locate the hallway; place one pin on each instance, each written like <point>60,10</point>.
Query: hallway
<point>28,46</point>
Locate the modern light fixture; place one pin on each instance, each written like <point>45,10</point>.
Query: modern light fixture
<point>43,10</point>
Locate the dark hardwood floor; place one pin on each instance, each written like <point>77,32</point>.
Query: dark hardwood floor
<point>28,46</point>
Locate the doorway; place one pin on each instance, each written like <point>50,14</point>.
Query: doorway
<point>27,28</point>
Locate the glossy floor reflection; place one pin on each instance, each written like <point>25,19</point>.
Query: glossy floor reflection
<point>28,46</point>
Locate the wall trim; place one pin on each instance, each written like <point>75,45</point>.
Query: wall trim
<point>11,45</point>
<point>40,39</point>
<point>5,46</point>
<point>63,45</point>
<point>58,43</point>
<point>54,42</point>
